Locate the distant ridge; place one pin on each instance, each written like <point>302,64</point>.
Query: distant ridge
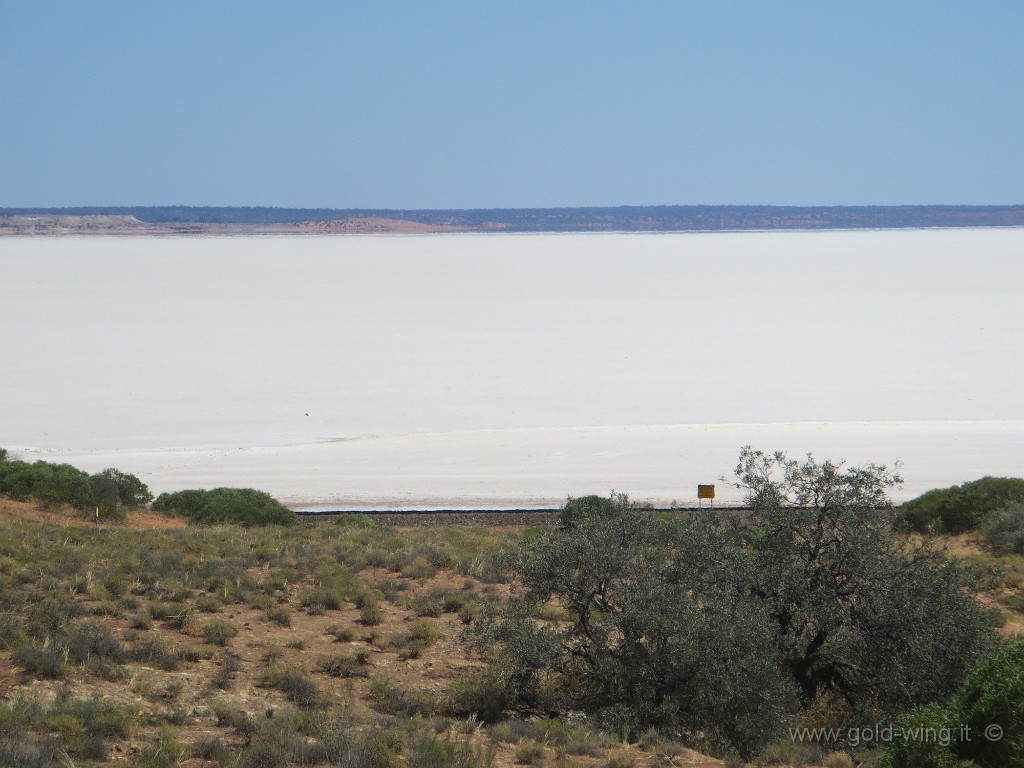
<point>660,218</point>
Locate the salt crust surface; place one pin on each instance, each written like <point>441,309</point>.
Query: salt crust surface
<point>512,370</point>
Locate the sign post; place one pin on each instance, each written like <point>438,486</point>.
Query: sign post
<point>705,492</point>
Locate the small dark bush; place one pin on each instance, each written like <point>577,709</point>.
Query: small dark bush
<point>280,616</point>
<point>211,748</point>
<point>336,665</point>
<point>91,639</point>
<point>39,661</point>
<point>158,651</point>
<point>294,682</point>
<point>224,677</point>
<point>388,699</point>
<point>371,615</point>
<point>341,634</point>
<point>479,693</point>
<point>218,631</point>
<point>411,642</point>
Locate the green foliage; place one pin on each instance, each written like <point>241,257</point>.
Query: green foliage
<point>218,631</point>
<point>722,630</point>
<point>389,699</point>
<point>960,508</point>
<point>245,506</point>
<point>111,491</point>
<point>187,503</point>
<point>42,661</point>
<point>480,693</point>
<point>993,695</point>
<point>1003,529</point>
<point>131,492</point>
<point>864,619</point>
<point>982,726</point>
<point>294,682</point>
<point>341,665</point>
<point>411,642</point>
<point>651,641</point>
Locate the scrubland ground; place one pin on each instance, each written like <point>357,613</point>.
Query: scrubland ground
<point>152,644</point>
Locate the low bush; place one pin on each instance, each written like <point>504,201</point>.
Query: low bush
<point>224,677</point>
<point>42,661</point>
<point>91,639</point>
<point>419,636</point>
<point>110,491</point>
<point>218,631</point>
<point>156,650</point>
<point>1004,530</point>
<point>981,725</point>
<point>389,699</point>
<point>480,694</point>
<point>431,751</point>
<point>959,508</point>
<point>294,682</point>
<point>371,615</point>
<point>244,506</point>
<point>211,748</point>
<point>279,615</point>
<point>341,634</point>
<point>339,665</point>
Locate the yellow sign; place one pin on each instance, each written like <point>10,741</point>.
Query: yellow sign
<point>705,491</point>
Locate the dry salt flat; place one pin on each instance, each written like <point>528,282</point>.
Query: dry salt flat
<point>512,370</point>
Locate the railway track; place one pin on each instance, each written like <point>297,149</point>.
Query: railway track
<point>488,518</point>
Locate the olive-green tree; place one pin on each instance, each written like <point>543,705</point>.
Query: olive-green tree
<point>863,616</point>
<point>722,626</point>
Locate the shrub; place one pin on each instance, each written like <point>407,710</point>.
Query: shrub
<point>960,508</point>
<point>245,506</point>
<point>992,696</point>
<point>430,751</point>
<point>224,677</point>
<point>391,700</point>
<point>131,492</point>
<point>40,661</point>
<point>479,693</point>
<point>54,484</point>
<point>218,631</point>
<point>32,752</point>
<point>294,682</point>
<point>337,665</point>
<point>158,651</point>
<point>726,629</point>
<point>1004,529</point>
<point>210,748</point>
<point>185,503</point>
<point>371,615</point>
<point>91,639</point>
<point>411,642</point>
<point>279,615</point>
<point>530,753</point>
<point>208,604</point>
<point>341,634</point>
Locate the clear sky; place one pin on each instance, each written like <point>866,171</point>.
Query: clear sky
<point>512,103</point>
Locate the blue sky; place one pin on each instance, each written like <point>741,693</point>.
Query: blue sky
<point>477,104</point>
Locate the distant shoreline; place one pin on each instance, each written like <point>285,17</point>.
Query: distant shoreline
<point>240,221</point>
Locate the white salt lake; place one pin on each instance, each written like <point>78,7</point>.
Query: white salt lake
<point>508,370</point>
